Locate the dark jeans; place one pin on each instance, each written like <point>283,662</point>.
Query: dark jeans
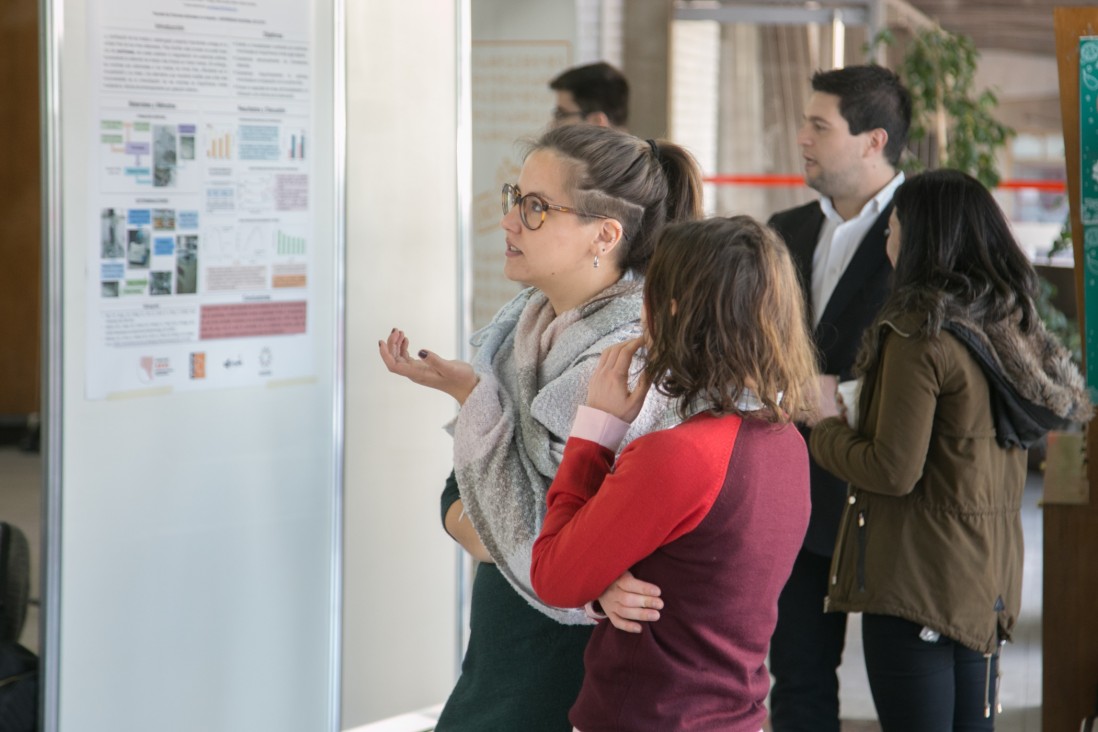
<point>805,652</point>
<point>924,686</point>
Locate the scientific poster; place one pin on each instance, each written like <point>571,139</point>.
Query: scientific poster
<point>201,248</point>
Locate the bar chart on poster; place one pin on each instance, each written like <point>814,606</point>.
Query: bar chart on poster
<point>194,395</point>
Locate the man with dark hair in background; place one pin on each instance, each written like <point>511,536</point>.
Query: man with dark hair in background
<point>597,94</point>
<point>854,131</point>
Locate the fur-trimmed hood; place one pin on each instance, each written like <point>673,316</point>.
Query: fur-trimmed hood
<point>1034,383</point>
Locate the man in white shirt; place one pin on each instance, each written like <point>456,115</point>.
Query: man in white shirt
<point>854,131</point>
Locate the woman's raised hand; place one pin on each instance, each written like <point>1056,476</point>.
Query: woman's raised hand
<point>609,387</point>
<point>456,378</point>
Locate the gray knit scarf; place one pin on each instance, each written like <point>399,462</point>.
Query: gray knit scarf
<point>534,367</point>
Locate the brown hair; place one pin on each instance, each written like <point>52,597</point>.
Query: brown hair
<point>597,87</point>
<point>870,97</point>
<point>725,315</point>
<point>642,184</point>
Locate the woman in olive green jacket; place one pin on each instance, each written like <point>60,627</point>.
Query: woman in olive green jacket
<point>959,378</point>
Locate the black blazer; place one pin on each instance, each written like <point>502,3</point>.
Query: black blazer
<point>854,304</point>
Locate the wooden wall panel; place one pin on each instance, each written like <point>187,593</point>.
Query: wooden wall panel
<point>1070,620</point>
<point>20,212</point>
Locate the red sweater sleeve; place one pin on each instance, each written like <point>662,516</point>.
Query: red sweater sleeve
<point>603,518</point>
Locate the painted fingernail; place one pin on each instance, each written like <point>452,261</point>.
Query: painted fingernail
<point>423,353</point>
<point>394,330</point>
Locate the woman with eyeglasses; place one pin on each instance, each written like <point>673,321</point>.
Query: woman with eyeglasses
<point>712,510</point>
<point>579,226</point>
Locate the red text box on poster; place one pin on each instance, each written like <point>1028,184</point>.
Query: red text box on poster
<point>252,319</point>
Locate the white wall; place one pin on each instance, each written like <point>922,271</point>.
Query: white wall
<point>695,93</point>
<point>399,571</point>
<point>1016,76</point>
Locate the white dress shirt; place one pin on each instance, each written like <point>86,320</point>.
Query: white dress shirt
<point>839,240</point>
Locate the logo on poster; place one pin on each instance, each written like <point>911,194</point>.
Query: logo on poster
<point>265,358</point>
<point>145,369</point>
<point>198,365</point>
<point>149,367</point>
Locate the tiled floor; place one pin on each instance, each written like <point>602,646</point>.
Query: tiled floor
<point>20,490</point>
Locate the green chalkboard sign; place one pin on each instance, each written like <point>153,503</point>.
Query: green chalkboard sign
<point>1088,204</point>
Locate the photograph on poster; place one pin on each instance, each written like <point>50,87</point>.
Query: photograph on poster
<point>160,283</point>
<point>109,289</point>
<point>186,147</point>
<point>164,156</point>
<point>163,218</point>
<point>186,264</point>
<point>138,251</point>
<point>112,236</point>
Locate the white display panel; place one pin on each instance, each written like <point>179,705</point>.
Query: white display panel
<point>193,558</point>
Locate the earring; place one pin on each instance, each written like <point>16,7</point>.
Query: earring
<point>596,261</point>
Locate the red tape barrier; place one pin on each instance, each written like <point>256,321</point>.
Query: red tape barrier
<point>793,181</point>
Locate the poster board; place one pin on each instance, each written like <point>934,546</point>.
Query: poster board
<point>511,105</point>
<point>192,475</point>
<point>516,50</point>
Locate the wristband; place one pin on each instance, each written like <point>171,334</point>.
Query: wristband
<point>594,610</point>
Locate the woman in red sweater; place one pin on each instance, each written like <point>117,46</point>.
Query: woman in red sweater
<point>712,511</point>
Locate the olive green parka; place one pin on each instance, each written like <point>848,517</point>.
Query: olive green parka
<point>932,529</point>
